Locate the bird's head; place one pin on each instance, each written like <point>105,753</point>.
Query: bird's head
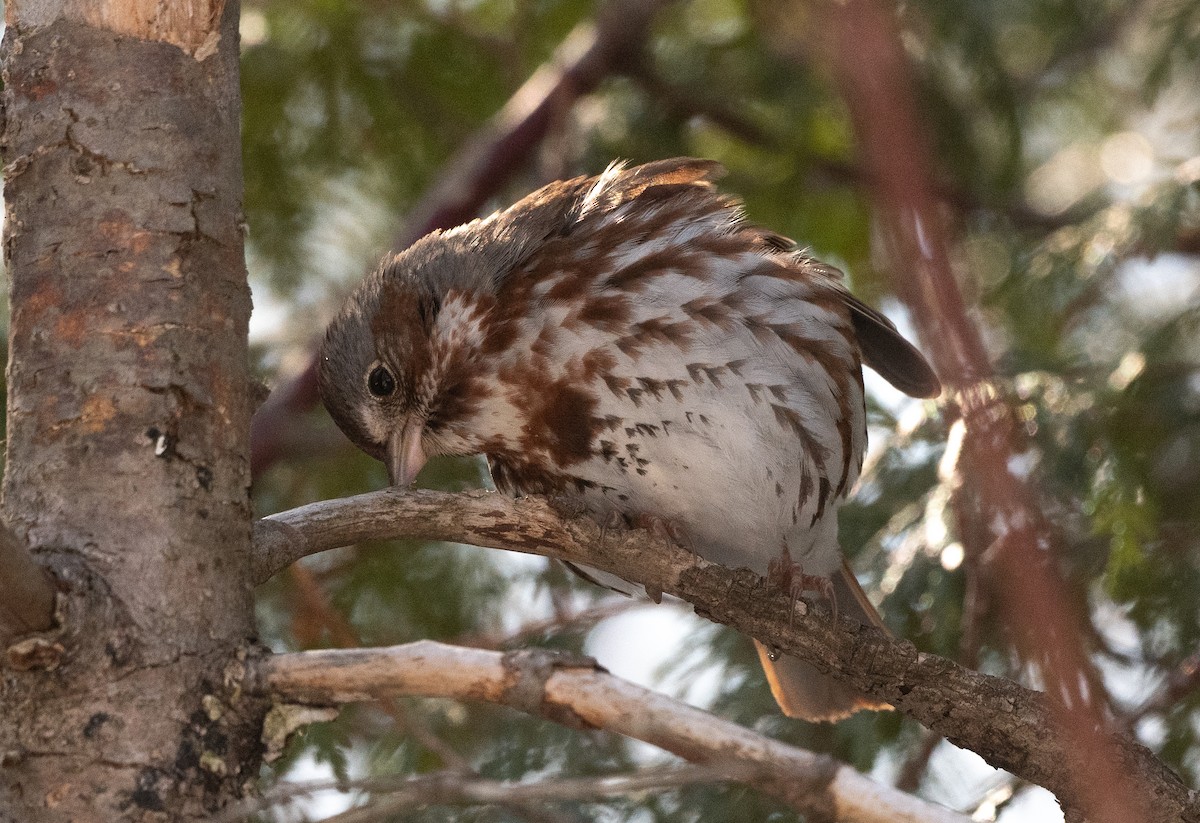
<point>400,367</point>
<point>406,367</point>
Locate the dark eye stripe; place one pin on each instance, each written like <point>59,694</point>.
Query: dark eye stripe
<point>380,382</point>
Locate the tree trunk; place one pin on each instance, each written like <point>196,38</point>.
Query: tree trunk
<point>128,410</point>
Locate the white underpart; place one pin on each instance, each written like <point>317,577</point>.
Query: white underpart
<point>724,466</point>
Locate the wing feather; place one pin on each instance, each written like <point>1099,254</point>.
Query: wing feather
<point>886,351</point>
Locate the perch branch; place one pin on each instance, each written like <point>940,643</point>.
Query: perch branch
<point>573,691</point>
<point>1010,726</point>
<point>28,601</point>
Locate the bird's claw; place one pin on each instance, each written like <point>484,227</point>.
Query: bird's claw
<point>667,530</point>
<point>612,520</point>
<point>789,576</point>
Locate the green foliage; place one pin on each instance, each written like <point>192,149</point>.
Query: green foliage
<point>1062,148</point>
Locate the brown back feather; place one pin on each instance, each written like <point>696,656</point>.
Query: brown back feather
<point>554,210</point>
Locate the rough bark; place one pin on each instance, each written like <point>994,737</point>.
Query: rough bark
<point>1008,725</point>
<point>577,693</point>
<point>128,412</point>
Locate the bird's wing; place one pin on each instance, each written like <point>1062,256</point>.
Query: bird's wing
<point>886,351</point>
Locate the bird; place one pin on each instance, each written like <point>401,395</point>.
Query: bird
<point>631,342</point>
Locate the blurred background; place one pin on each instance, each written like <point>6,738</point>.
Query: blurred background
<point>1064,139</point>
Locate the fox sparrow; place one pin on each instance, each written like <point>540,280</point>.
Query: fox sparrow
<point>629,340</point>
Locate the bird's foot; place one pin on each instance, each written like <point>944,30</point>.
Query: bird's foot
<point>566,506</point>
<point>789,577</point>
<point>612,520</point>
<point>666,529</point>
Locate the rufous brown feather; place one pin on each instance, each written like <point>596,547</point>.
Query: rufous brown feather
<point>631,341</point>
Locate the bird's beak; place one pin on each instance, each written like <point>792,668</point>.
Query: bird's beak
<point>404,455</point>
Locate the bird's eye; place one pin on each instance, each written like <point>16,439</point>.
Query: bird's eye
<point>380,382</point>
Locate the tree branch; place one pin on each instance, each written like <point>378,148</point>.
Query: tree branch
<point>394,794</point>
<point>576,693</point>
<point>28,602</point>
<point>1008,725</point>
<point>407,723</point>
<point>1021,547</point>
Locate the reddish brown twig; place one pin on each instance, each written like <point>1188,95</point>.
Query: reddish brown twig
<point>868,60</point>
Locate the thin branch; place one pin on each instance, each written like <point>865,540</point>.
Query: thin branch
<point>1022,545</point>
<point>316,606</point>
<point>589,54</point>
<point>908,777</point>
<point>448,788</point>
<point>1181,682</point>
<point>691,102</point>
<point>1008,725</point>
<point>28,601</point>
<point>407,723</point>
<point>573,621</point>
<point>576,693</point>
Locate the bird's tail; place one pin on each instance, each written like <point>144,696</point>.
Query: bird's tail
<point>804,692</point>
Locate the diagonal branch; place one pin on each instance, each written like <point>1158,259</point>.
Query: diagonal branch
<point>1020,547</point>
<point>1008,725</point>
<point>575,692</point>
<point>28,601</point>
<point>409,724</point>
